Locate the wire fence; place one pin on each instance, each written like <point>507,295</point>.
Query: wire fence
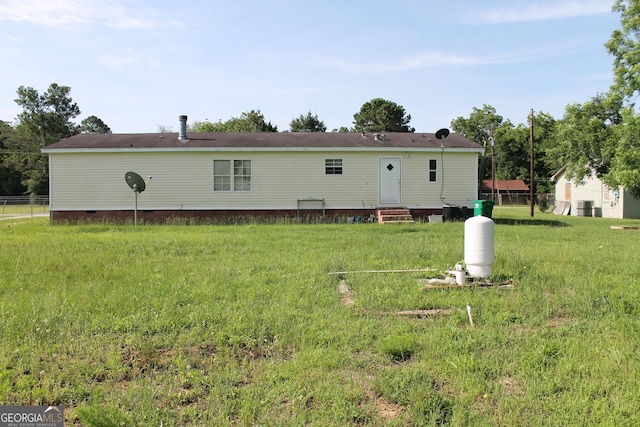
<point>24,204</point>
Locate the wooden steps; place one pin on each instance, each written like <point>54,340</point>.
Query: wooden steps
<point>394,215</point>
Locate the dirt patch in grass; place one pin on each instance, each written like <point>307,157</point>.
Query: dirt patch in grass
<point>347,297</point>
<point>142,360</point>
<point>387,410</point>
<point>511,387</point>
<point>558,321</point>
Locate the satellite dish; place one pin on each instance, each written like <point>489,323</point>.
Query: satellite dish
<point>442,133</point>
<point>135,181</point>
<point>137,184</point>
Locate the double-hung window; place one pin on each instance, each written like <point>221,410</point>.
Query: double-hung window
<point>333,166</point>
<point>232,175</point>
<point>433,170</point>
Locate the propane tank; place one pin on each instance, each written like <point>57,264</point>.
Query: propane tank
<point>478,246</point>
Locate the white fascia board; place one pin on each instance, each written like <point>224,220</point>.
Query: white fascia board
<point>260,149</point>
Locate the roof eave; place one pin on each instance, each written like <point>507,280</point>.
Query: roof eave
<point>259,149</point>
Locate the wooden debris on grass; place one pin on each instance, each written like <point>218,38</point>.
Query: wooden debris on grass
<point>425,313</point>
<point>623,227</point>
<point>417,314</point>
<point>443,284</point>
<point>413,270</point>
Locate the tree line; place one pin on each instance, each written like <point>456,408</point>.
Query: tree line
<point>377,115</point>
<point>599,137</point>
<point>45,119</point>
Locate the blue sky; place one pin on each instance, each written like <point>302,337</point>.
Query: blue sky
<point>139,64</point>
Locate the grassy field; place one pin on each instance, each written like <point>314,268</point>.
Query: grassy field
<point>244,325</point>
<point>22,209</point>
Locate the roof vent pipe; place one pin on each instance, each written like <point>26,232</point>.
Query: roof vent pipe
<point>183,129</point>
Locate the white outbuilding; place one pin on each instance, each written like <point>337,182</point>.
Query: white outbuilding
<point>592,197</point>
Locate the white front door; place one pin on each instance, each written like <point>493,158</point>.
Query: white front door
<point>390,186</point>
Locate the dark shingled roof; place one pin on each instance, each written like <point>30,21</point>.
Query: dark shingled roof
<point>264,139</point>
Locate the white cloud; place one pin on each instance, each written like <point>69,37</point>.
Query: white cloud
<point>405,64</point>
<point>118,62</point>
<point>544,12</point>
<point>62,13</point>
<point>439,59</point>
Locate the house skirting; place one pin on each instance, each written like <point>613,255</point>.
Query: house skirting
<point>227,216</point>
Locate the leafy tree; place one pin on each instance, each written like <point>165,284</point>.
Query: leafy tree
<point>307,123</point>
<point>625,48</point>
<point>93,124</point>
<point>479,127</point>
<point>10,177</point>
<point>585,137</point>
<point>44,119</point>
<point>207,126</point>
<point>544,136</point>
<point>618,161</point>
<point>251,121</point>
<point>625,163</point>
<point>513,151</point>
<point>380,115</point>
<point>47,117</point>
<point>26,159</point>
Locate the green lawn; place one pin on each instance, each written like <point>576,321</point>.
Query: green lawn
<point>243,325</point>
<point>22,209</point>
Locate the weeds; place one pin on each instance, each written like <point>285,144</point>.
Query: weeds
<point>241,325</point>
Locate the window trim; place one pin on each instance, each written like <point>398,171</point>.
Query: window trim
<point>232,182</point>
<point>433,171</point>
<point>333,166</point>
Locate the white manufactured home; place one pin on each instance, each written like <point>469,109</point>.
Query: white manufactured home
<point>235,175</point>
<point>593,198</point>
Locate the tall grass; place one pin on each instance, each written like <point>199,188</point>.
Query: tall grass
<point>243,325</point>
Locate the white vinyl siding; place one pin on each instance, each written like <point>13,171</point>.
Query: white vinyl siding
<point>457,177</point>
<point>184,180</point>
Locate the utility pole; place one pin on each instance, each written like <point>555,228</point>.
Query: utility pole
<point>532,176</point>
<point>493,164</point>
